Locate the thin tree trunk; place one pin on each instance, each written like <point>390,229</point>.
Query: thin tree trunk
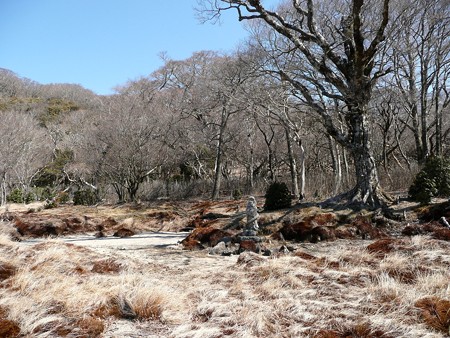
<point>251,169</point>
<point>219,155</point>
<point>217,173</point>
<point>302,170</point>
<point>292,165</point>
<point>336,162</point>
<point>438,117</point>
<point>3,190</point>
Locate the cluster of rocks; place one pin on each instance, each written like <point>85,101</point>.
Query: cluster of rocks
<point>223,242</point>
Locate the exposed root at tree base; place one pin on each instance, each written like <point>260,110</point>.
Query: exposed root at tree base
<point>356,200</point>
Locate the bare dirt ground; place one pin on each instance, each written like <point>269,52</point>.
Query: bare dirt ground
<point>71,284</point>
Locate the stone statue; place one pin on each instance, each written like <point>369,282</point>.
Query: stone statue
<point>252,215</point>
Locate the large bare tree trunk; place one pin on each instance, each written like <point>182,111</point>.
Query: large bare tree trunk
<point>367,189</point>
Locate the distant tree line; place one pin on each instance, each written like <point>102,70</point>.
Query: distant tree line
<point>335,98</point>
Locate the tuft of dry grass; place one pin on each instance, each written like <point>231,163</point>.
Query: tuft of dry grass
<point>435,313</point>
<point>106,266</point>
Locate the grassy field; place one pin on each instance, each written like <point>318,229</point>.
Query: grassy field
<point>395,287</point>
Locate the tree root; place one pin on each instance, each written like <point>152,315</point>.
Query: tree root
<point>355,200</point>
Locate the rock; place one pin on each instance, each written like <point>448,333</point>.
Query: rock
<point>249,245</point>
<point>267,252</point>
<point>283,249</point>
<point>224,249</point>
<point>255,239</point>
<point>249,258</point>
<point>99,234</point>
<point>218,249</point>
<point>250,233</point>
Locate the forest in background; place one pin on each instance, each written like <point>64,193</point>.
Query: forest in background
<point>221,125</point>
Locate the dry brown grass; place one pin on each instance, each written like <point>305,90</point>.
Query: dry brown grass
<point>376,289</point>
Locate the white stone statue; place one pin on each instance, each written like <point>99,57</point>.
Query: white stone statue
<point>252,214</point>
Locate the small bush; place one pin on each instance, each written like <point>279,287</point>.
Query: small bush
<point>85,197</point>
<point>432,181</point>
<point>277,196</point>
<point>19,196</point>
<point>15,196</point>
<point>62,197</point>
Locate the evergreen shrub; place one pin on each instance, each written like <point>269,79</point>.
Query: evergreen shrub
<point>277,196</point>
<point>432,181</point>
<point>85,197</point>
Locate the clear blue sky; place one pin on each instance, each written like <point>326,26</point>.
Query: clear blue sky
<point>100,44</point>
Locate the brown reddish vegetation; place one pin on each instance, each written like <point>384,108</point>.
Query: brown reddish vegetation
<point>434,212</point>
<point>85,327</point>
<point>385,246</point>
<point>362,330</point>
<point>8,328</point>
<point>6,270</point>
<point>435,229</point>
<point>35,229</point>
<point>366,229</point>
<point>124,232</point>
<point>91,327</point>
<point>304,255</point>
<point>108,223</point>
<point>33,225</point>
<point>435,313</point>
<point>200,222</point>
<point>201,237</point>
<point>106,266</point>
<point>165,216</point>
<point>322,227</point>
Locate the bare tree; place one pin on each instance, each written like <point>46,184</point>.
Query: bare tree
<point>209,85</point>
<point>338,44</point>
<point>422,68</point>
<point>24,149</point>
<point>125,144</point>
